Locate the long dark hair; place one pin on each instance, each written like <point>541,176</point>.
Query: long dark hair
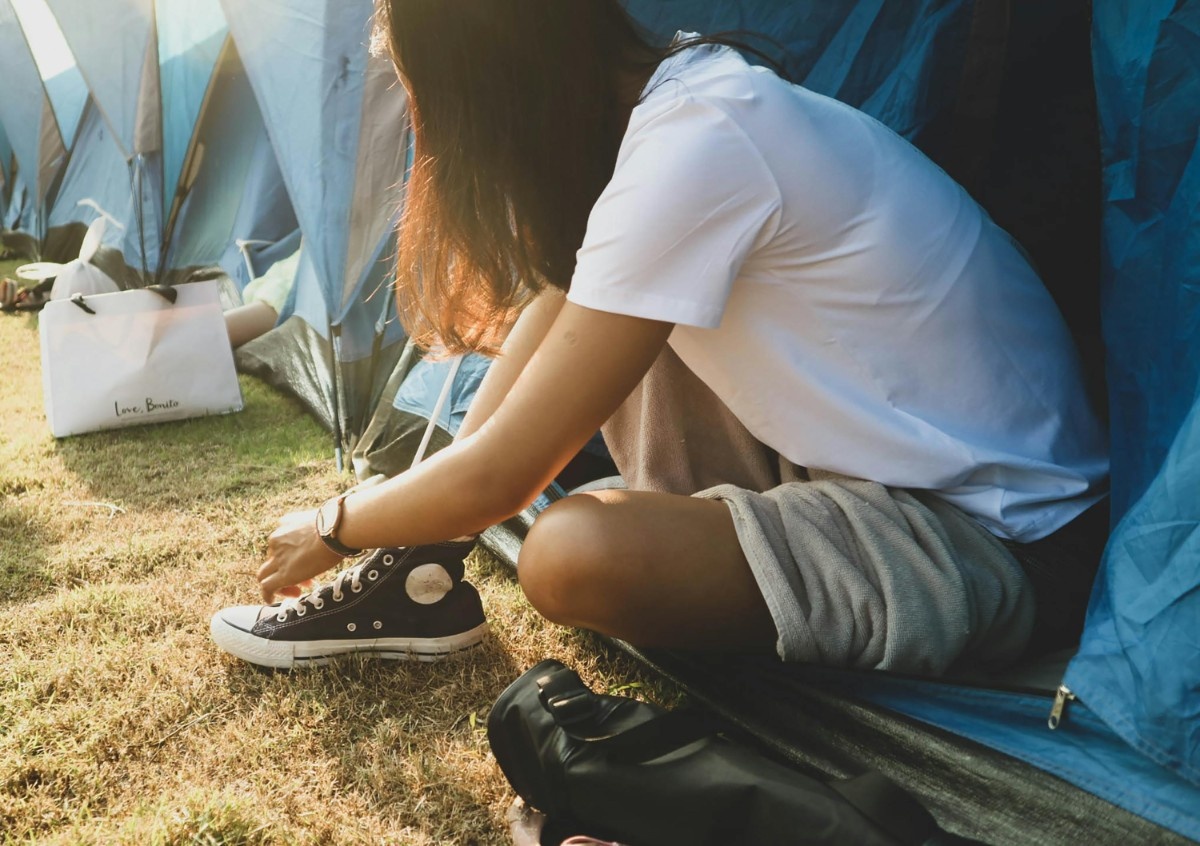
<point>518,110</point>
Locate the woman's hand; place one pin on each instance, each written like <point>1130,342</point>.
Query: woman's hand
<point>295,556</point>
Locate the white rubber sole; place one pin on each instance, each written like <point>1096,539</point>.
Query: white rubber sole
<point>285,655</point>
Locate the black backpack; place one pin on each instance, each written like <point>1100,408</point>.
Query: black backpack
<point>614,768</point>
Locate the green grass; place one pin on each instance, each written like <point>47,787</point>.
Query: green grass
<point>121,722</point>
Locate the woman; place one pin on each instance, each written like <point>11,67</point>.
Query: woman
<point>747,284</point>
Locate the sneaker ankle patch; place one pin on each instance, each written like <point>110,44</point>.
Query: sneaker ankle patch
<point>428,583</point>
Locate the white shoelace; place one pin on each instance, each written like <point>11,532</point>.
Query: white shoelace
<point>313,598</point>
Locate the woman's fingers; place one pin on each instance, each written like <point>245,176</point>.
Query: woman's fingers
<point>295,556</point>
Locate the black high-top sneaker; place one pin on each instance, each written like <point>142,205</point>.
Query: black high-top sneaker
<point>409,603</point>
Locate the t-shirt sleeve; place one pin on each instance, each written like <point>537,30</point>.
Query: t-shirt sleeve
<point>689,201</point>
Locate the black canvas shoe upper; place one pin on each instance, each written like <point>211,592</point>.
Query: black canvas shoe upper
<point>410,592</point>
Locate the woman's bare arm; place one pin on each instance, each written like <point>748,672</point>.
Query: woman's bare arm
<point>583,368</point>
<point>522,342</point>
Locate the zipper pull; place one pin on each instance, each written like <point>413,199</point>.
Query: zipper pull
<point>1061,697</point>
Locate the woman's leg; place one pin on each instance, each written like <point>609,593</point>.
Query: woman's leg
<point>247,322</point>
<point>654,569</point>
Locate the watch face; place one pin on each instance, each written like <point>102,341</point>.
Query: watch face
<point>327,517</point>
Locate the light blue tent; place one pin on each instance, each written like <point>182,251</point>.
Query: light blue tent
<point>115,46</point>
<point>64,83</point>
<point>337,122</point>
<point>6,176</point>
<point>172,147</point>
<point>31,127</point>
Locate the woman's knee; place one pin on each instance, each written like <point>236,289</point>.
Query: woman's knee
<point>561,564</point>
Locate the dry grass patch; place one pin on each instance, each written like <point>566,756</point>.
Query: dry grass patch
<point>121,722</point>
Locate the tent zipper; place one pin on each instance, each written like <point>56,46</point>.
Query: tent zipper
<point>1061,697</point>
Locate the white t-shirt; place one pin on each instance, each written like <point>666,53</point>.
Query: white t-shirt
<point>847,300</point>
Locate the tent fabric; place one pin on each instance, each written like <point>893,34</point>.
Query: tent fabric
<point>190,35</point>
<point>841,723</point>
<point>64,83</point>
<point>334,114</point>
<point>6,174</point>
<point>418,393</point>
<point>337,122</point>
<point>881,57</point>
<point>1139,662</point>
<point>185,175</point>
<point>233,191</point>
<point>28,120</point>
<point>1149,93</point>
<point>95,182</point>
<point>114,44</point>
<point>68,94</point>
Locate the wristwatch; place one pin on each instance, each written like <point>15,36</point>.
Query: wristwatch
<point>329,518</point>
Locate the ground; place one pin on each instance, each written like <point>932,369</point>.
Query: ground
<point>121,722</point>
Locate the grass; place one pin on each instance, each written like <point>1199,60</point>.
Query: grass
<point>121,722</point>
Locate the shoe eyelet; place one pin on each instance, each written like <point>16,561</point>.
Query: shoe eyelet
<point>377,625</point>
<point>300,612</point>
<point>281,617</point>
<point>372,574</point>
<point>318,604</point>
<point>351,627</point>
<point>356,588</point>
<point>389,560</point>
<point>339,596</point>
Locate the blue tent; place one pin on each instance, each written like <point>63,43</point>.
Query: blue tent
<point>30,124</point>
<point>1128,701</point>
<point>6,176</point>
<point>172,146</point>
<point>114,44</point>
<point>64,83</point>
<point>337,122</point>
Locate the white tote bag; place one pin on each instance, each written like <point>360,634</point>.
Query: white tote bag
<point>134,357</point>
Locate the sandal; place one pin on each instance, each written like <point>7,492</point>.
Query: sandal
<point>15,298</point>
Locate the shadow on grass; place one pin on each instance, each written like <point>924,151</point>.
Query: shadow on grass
<point>403,735</point>
<point>25,535</point>
<point>260,451</point>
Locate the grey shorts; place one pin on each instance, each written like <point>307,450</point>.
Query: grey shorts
<point>857,574</point>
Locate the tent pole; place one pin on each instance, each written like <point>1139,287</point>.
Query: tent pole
<point>335,335</point>
<point>135,181</point>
